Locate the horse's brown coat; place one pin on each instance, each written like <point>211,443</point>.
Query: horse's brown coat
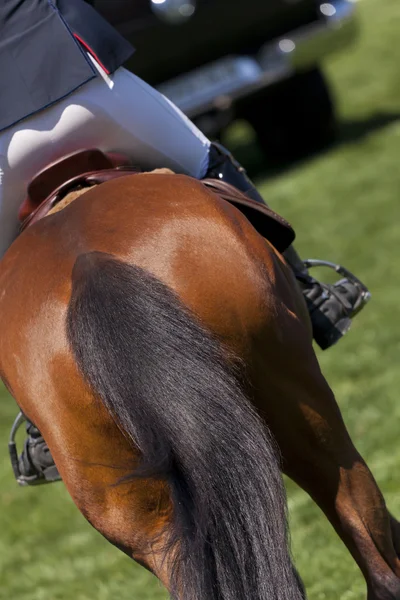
<point>242,289</point>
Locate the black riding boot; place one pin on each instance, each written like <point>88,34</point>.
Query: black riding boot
<point>331,306</point>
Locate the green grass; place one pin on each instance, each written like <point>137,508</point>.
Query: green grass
<point>344,206</point>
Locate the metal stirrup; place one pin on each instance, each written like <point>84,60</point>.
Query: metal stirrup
<point>40,474</point>
<point>365,294</point>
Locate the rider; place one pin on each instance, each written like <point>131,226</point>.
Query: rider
<point>64,90</point>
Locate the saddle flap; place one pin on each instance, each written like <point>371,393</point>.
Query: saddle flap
<point>268,223</point>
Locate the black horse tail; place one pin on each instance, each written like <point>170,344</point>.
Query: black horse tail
<point>174,391</point>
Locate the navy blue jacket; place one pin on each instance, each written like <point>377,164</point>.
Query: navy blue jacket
<point>43,56</point>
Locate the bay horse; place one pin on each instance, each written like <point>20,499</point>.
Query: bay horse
<point>164,350</point>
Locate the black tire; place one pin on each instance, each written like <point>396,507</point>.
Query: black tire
<point>294,118</point>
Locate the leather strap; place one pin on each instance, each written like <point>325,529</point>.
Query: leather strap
<point>55,174</point>
<point>84,180</point>
<point>266,221</point>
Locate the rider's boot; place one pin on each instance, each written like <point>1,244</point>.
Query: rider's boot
<point>331,306</point>
<point>36,465</point>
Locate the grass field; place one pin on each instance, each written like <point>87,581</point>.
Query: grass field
<point>344,205</point>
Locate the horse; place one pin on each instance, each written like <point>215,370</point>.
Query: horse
<point>163,348</point>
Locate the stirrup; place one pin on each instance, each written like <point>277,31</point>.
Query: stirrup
<point>38,475</point>
<point>364,293</point>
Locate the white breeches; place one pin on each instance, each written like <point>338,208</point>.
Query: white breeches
<point>117,113</point>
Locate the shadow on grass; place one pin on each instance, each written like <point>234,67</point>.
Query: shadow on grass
<point>252,157</point>
<point>353,131</point>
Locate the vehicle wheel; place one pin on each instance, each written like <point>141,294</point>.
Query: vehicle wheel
<point>293,119</point>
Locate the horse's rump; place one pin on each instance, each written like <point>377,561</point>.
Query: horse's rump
<point>178,251</point>
<point>146,253</point>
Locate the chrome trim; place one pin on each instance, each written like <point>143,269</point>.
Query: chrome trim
<point>277,60</point>
<point>173,12</point>
<point>12,448</point>
<point>335,30</point>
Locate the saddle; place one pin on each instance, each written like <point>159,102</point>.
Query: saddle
<point>92,167</point>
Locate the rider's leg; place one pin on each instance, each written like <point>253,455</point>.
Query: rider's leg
<point>122,113</point>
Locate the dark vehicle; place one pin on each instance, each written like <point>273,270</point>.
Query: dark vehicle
<point>257,60</point>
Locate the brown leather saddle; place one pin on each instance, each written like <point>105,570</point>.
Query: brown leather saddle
<point>91,167</point>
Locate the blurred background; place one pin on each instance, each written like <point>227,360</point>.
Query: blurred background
<point>307,95</point>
